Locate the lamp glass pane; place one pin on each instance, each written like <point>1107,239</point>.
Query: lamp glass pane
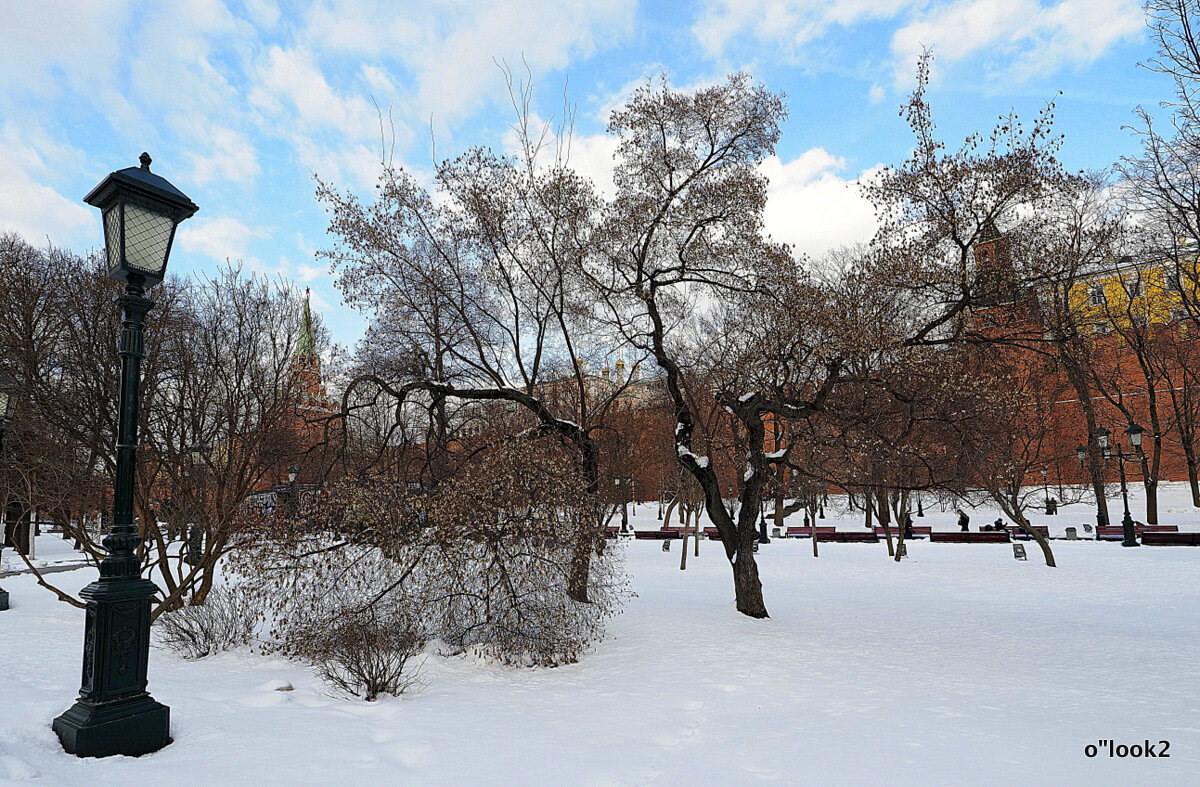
<point>112,234</point>
<point>146,237</point>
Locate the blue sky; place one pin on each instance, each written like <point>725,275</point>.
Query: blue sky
<point>241,102</point>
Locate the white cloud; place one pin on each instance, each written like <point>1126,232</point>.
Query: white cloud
<point>812,207</point>
<point>291,79</point>
<point>264,13</point>
<point>231,157</point>
<point>788,23</point>
<point>1035,39</point>
<point>877,94</point>
<point>46,46</point>
<point>592,156</point>
<point>29,205</point>
<point>309,272</point>
<point>220,237</point>
<point>451,47</point>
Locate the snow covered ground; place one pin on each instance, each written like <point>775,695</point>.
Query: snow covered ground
<point>957,666</point>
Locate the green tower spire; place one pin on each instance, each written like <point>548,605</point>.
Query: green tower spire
<point>306,344</point>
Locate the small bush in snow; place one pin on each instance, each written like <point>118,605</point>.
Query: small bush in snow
<point>367,657</point>
<point>224,621</point>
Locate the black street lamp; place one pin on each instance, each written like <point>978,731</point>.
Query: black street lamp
<point>292,472</point>
<point>920,510</point>
<point>1046,489</point>
<point>762,522</point>
<point>8,408</point>
<point>114,713</point>
<point>1135,439</point>
<point>1134,433</point>
<point>198,452</point>
<point>622,483</point>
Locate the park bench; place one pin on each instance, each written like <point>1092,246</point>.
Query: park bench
<point>1117,532</point>
<point>712,533</point>
<point>918,531</point>
<point>806,531</point>
<point>847,536</point>
<point>1018,533</point>
<point>1164,538</point>
<point>658,534</point>
<point>958,537</point>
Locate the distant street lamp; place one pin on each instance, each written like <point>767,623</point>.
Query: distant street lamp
<point>195,537</point>
<point>1134,432</point>
<point>622,483</point>
<point>8,408</point>
<point>8,404</point>
<point>1046,490</point>
<point>114,713</point>
<point>292,472</point>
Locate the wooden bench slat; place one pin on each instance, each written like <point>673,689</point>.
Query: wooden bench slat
<point>958,537</point>
<point>1170,538</point>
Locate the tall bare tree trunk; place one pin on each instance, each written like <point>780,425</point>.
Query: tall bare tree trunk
<point>1193,471</point>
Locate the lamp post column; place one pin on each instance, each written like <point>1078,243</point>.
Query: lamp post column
<point>114,713</point>
<point>1127,523</point>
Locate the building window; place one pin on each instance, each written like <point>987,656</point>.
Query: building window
<point>1101,328</point>
<point>1171,278</point>
<point>1096,295</point>
<point>1133,286</point>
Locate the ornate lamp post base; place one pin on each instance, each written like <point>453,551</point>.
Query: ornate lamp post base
<point>114,713</point>
<point>3,599</point>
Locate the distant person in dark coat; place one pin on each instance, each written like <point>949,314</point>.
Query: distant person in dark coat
<point>908,525</point>
<point>963,520</point>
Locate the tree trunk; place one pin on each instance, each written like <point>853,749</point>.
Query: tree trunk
<point>746,586</point>
<point>581,564</point>
<point>591,530</point>
<point>1193,471</point>
<point>1043,542</point>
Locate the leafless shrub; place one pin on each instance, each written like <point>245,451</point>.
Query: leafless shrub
<point>226,620</point>
<point>366,656</point>
<point>482,565</point>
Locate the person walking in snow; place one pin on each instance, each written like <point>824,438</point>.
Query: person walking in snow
<point>963,520</point>
<point>908,525</point>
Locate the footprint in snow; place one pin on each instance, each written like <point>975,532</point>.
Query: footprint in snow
<point>15,768</point>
